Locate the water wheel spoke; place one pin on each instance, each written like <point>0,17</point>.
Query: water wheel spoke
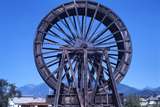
<point>52,56</point>
<point>75,26</point>
<point>108,37</point>
<point>91,22</point>
<point>112,54</point>
<point>53,64</point>
<point>55,49</point>
<point>52,33</point>
<point>97,27</point>
<point>85,20</point>
<point>62,31</point>
<point>72,23</point>
<point>100,34</point>
<point>104,40</point>
<point>51,42</point>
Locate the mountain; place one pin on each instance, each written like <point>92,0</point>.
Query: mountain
<point>157,89</point>
<point>42,90</point>
<point>149,92</point>
<point>127,90</point>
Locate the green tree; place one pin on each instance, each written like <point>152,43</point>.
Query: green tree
<point>132,101</point>
<point>7,90</point>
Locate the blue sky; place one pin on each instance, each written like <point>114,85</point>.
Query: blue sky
<point>19,19</point>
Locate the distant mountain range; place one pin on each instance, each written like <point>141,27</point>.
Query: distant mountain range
<point>42,90</point>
